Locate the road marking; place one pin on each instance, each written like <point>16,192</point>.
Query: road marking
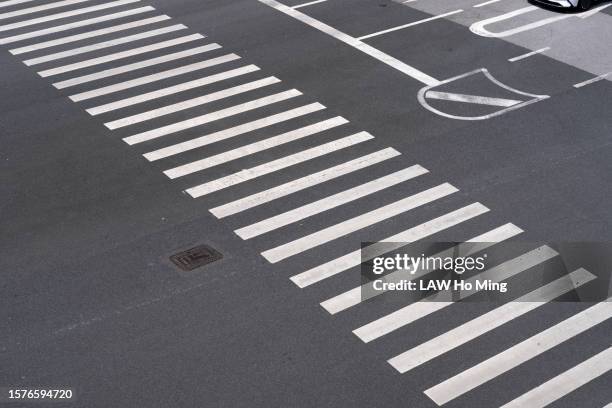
<point>425,20</point>
<point>478,28</point>
<point>104,44</point>
<point>352,259</point>
<point>520,353</point>
<point>120,55</point>
<point>232,132</point>
<point>529,54</point>
<point>13,2</point>
<point>489,321</point>
<point>310,3</point>
<point>354,42</point>
<point>36,9</point>
<point>303,183</point>
<point>590,81</point>
<point>440,300</point>
<point>72,13</point>
<point>566,382</point>
<point>480,100</point>
<point>327,203</point>
<point>70,26</point>
<point>89,34</point>
<point>351,225</point>
<point>171,90</point>
<point>252,148</point>
<point>486,3</point>
<point>210,117</point>
<point>353,296</point>
<point>279,164</point>
<point>158,76</point>
<point>191,103</point>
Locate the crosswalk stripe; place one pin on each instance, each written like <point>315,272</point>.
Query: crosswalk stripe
<point>232,132</point>
<point>489,321</point>
<point>104,44</point>
<point>191,103</point>
<point>327,203</point>
<point>13,2</point>
<point>119,55</point>
<point>88,34</point>
<point>303,183</point>
<point>566,382</point>
<point>158,76</point>
<point>65,14</point>
<point>252,148</point>
<point>516,355</point>
<point>210,117</point>
<point>359,222</point>
<point>352,259</point>
<point>36,9</point>
<point>353,297</point>
<point>70,26</point>
<point>171,90</point>
<point>440,300</point>
<point>276,165</point>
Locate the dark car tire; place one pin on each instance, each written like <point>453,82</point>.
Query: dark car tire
<point>585,4</point>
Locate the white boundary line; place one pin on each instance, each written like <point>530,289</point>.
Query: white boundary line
<point>529,54</point>
<point>425,20</point>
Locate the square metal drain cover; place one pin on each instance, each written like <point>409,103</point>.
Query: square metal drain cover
<point>195,257</point>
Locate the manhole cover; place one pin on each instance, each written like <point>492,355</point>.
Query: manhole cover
<point>195,257</point>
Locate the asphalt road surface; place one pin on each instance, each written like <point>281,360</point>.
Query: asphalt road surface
<point>283,135</point>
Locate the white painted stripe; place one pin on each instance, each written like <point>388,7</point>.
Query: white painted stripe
<point>120,55</point>
<point>354,224</point>
<point>529,54</point>
<point>352,259</point>
<point>36,9</point>
<point>355,43</point>
<point>327,203</point>
<point>232,132</point>
<point>353,297</point>
<point>303,183</point>
<point>566,382</point>
<point>590,81</point>
<point>520,353</point>
<point>89,34</point>
<point>70,26</point>
<point>481,100</point>
<point>282,163</point>
<point>72,13</point>
<point>210,117</point>
<point>310,3</point>
<point>191,103</point>
<point>158,76</point>
<point>486,3</point>
<point>425,20</point>
<point>104,44</point>
<point>489,321</point>
<point>171,90</point>
<point>13,2</point>
<point>253,148</point>
<point>440,300</point>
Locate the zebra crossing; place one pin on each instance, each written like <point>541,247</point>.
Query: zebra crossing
<point>130,90</point>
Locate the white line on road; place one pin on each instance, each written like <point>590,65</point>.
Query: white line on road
<point>354,42</point>
<point>279,164</point>
<point>330,202</point>
<point>529,54</point>
<point>36,9</point>
<point>391,243</point>
<point>566,382</point>
<point>440,300</point>
<point>356,223</point>
<point>486,3</point>
<point>104,44</point>
<point>13,2</point>
<point>520,353</point>
<point>310,3</point>
<point>191,103</point>
<point>590,81</point>
<point>120,55</point>
<point>302,183</point>
<point>481,100</point>
<point>253,148</point>
<point>232,132</point>
<point>489,321</point>
<point>210,117</point>
<point>425,20</point>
